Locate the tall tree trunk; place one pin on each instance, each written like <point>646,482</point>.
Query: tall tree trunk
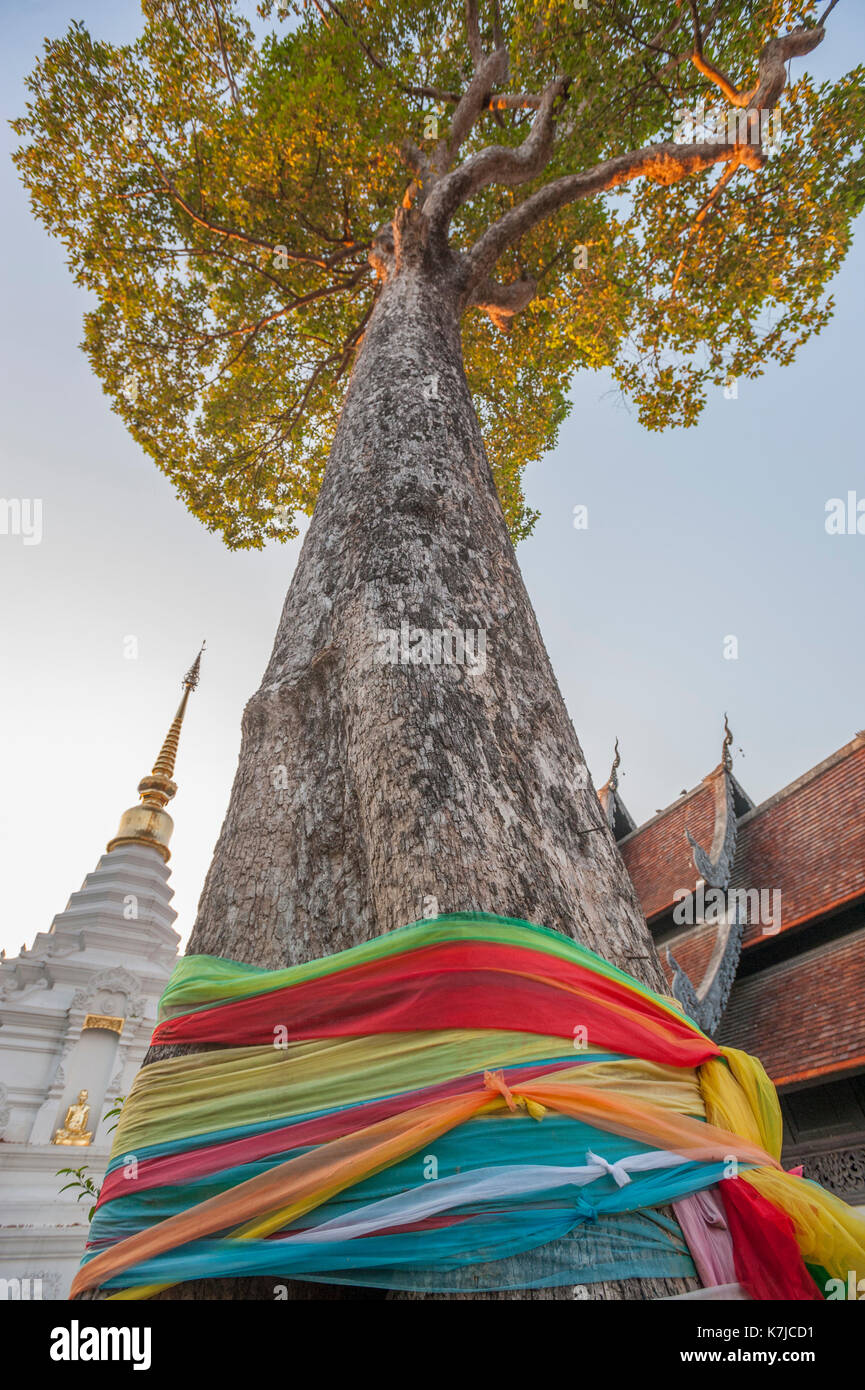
<point>368,792</point>
<point>366,788</point>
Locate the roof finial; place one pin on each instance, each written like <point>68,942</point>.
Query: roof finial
<point>726,755</point>
<point>613,780</point>
<point>193,675</point>
<point>150,823</point>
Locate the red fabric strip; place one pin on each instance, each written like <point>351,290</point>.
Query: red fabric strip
<point>766,1256</point>
<point>454,985</point>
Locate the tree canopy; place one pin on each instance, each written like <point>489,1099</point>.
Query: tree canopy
<point>221,184</point>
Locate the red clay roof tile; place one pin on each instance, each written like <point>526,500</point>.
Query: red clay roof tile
<point>808,841</point>
<point>797,1016</point>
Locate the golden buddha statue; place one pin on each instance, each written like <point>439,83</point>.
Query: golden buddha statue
<point>74,1129</point>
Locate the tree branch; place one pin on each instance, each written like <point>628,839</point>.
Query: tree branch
<point>297,303</point>
<point>376,62</point>
<point>709,70</point>
<point>497,163</point>
<point>498,32</point>
<point>515,101</point>
<point>226,65</point>
<point>697,228</point>
<point>473,33</point>
<point>475,99</point>
<point>503,302</point>
<point>663,163</point>
<point>433,93</point>
<point>772,73</point>
<point>500,101</point>
<point>420,167</point>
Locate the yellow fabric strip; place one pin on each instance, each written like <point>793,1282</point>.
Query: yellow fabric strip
<point>665,1087</point>
<point>209,1091</point>
<point>828,1232</point>
<point>760,1096</point>
<point>185,1096</point>
<point>740,1096</point>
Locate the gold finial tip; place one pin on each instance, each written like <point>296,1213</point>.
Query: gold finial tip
<point>193,675</point>
<point>149,823</point>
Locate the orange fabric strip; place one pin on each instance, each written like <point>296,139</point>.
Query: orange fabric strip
<point>301,1183</point>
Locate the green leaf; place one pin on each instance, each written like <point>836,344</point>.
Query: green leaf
<point>218,190</point>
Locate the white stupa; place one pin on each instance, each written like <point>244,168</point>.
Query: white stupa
<point>76,1013</point>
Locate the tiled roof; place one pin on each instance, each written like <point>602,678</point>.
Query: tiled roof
<point>801,1017</point>
<point>808,840</point>
<point>658,856</point>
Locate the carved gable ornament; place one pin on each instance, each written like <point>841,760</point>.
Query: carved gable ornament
<point>115,993</point>
<point>706,1002</point>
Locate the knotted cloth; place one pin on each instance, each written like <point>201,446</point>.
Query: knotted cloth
<point>470,1102</point>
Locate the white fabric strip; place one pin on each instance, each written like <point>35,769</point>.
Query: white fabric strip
<point>480,1185</point>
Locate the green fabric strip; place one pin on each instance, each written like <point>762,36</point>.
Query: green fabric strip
<point>201,981</point>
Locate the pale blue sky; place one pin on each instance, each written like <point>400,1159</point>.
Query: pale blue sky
<point>692,536</point>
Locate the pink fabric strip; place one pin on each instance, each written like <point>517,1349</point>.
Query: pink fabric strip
<point>704,1226</point>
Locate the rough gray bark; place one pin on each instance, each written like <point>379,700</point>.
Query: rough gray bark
<point>365,789</point>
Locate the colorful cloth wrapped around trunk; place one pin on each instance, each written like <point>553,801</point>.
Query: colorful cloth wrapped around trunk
<point>468,1103</point>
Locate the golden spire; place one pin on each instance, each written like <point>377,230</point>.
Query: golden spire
<point>150,823</point>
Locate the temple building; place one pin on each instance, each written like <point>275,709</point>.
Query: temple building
<point>758,913</point>
<point>77,1009</point>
